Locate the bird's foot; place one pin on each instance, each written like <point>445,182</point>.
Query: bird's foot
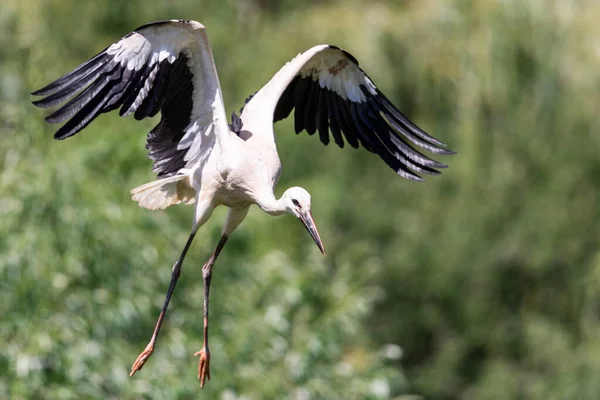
<point>203,365</point>
<point>142,358</point>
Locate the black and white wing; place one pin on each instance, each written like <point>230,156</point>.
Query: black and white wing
<point>164,66</point>
<point>331,95</point>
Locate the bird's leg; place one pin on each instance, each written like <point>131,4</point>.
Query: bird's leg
<point>145,355</point>
<point>204,353</point>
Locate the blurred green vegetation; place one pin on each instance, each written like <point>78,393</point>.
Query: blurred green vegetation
<point>483,283</point>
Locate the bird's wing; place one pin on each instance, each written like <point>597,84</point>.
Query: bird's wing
<point>164,66</point>
<point>329,92</point>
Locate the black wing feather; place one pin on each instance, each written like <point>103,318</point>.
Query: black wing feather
<point>383,151</point>
<point>102,84</point>
<point>373,112</point>
<point>163,139</point>
<point>310,111</point>
<point>333,124</point>
<point>322,117</point>
<point>138,80</point>
<point>64,92</point>
<point>153,101</point>
<point>401,151</point>
<point>286,102</point>
<point>86,112</point>
<point>84,70</point>
<point>335,117</point>
<point>372,122</point>
<point>300,95</point>
<point>351,133</point>
<point>119,91</point>
<point>79,102</point>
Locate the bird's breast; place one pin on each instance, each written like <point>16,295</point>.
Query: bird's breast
<point>245,175</point>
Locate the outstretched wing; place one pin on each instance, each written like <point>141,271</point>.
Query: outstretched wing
<point>330,94</point>
<point>164,66</point>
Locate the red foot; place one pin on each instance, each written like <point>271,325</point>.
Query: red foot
<point>141,360</point>
<point>203,365</point>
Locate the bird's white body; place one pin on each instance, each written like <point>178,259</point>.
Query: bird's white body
<point>242,174</point>
<point>247,168</point>
<point>168,67</point>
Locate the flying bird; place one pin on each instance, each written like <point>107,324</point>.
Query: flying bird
<point>201,159</point>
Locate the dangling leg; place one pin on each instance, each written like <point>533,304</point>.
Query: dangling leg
<point>234,219</point>
<point>204,211</point>
<point>204,363</point>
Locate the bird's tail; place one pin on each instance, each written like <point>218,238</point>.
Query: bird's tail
<point>164,192</point>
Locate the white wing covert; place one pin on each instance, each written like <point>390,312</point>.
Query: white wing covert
<point>165,66</point>
<point>331,94</point>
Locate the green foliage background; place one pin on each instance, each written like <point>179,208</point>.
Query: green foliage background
<point>483,283</point>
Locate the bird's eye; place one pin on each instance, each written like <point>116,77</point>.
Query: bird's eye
<point>296,202</point>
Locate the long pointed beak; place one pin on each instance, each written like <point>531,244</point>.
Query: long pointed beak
<point>309,223</point>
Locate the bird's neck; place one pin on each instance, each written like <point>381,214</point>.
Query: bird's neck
<point>272,206</point>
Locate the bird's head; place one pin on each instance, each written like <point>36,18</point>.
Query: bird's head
<point>297,203</point>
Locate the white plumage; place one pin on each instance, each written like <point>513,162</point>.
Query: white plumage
<point>168,67</point>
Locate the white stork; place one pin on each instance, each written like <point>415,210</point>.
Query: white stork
<point>200,159</point>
